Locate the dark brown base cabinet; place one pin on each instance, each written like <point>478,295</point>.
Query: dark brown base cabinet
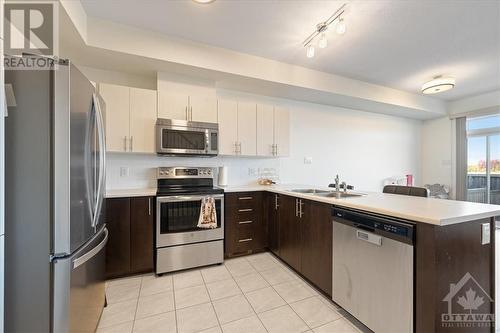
<point>245,229</point>
<point>305,239</point>
<point>256,220</point>
<point>130,249</point>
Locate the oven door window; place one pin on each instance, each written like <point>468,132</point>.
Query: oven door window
<point>182,216</point>
<point>175,139</point>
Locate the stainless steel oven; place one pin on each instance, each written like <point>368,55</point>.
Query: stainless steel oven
<point>177,137</point>
<point>180,243</point>
<point>177,220</point>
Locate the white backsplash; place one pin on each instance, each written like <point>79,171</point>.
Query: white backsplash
<point>142,168</point>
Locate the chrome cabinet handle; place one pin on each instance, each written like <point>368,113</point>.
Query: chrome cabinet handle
<point>131,143</point>
<point>245,240</point>
<point>149,206</point>
<point>245,198</point>
<point>125,143</point>
<point>276,205</point>
<point>296,207</point>
<point>187,114</point>
<point>301,204</point>
<point>191,113</point>
<point>245,210</point>
<point>245,222</point>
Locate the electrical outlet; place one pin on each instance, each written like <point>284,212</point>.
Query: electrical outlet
<point>251,171</point>
<point>308,160</point>
<point>124,171</point>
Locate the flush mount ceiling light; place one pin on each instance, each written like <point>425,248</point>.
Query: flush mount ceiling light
<point>438,84</point>
<point>204,1</point>
<point>321,29</point>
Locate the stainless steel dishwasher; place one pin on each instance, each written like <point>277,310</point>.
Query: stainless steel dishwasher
<point>373,269</point>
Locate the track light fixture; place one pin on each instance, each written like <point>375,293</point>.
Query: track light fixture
<point>321,31</point>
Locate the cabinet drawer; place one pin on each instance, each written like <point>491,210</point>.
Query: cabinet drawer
<point>244,199</point>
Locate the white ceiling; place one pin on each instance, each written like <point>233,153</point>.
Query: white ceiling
<point>399,44</point>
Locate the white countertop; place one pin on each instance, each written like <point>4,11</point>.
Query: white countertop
<point>426,210</point>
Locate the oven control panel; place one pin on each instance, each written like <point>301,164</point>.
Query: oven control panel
<point>184,172</point>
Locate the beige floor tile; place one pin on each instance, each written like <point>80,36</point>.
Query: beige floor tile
<point>152,284</point>
<point>314,312</point>
<point>215,273</point>
<point>277,275</point>
<point>245,325</point>
<point>262,263</point>
<point>155,304</point>
<point>122,292</point>
<point>130,281</point>
<point>187,279</point>
<point>215,329</point>
<point>222,289</point>
<point>232,308</point>
<point>264,299</point>
<point>282,319</point>
<point>118,313</point>
<point>120,328</point>
<point>164,323</point>
<point>191,296</point>
<point>338,326</point>
<point>196,318</point>
<point>239,268</point>
<point>293,291</point>
<point>251,282</point>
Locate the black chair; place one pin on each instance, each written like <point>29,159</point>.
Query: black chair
<point>406,190</point>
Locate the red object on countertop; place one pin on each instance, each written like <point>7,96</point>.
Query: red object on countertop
<point>409,180</point>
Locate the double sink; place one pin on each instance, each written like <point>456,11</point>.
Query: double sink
<point>328,194</point>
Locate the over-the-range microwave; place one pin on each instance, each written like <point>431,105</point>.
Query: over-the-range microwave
<point>178,137</point>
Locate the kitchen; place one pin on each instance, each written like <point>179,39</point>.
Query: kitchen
<point>288,176</point>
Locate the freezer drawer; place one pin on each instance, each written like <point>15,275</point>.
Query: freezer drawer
<point>78,286</point>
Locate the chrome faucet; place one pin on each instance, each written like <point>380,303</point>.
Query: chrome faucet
<point>338,185</point>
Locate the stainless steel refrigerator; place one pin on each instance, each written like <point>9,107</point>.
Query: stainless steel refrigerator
<point>55,180</point>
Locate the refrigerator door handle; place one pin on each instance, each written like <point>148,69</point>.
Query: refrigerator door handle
<point>89,255</point>
<point>102,161</point>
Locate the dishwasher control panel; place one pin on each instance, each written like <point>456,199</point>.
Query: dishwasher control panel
<point>374,223</point>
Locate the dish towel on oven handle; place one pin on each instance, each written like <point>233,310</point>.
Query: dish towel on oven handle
<point>208,214</point>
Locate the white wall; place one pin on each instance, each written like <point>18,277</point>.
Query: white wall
<point>437,151</point>
<point>120,78</point>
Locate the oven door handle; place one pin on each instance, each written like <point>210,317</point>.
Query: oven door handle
<point>176,198</point>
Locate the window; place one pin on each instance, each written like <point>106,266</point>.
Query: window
<point>483,159</point>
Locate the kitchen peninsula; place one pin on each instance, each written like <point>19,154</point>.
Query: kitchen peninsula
<point>451,241</point>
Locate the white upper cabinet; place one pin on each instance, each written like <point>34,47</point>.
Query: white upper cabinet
<point>173,105</point>
<point>117,99</point>
<point>237,128</point>
<point>247,129</point>
<point>142,120</point>
<point>228,126</point>
<point>185,101</point>
<point>130,118</point>
<point>203,108</point>
<point>265,130</point>
<point>281,131</point>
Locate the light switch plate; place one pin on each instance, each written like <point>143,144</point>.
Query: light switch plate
<point>124,172</point>
<point>308,160</point>
<point>485,233</point>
